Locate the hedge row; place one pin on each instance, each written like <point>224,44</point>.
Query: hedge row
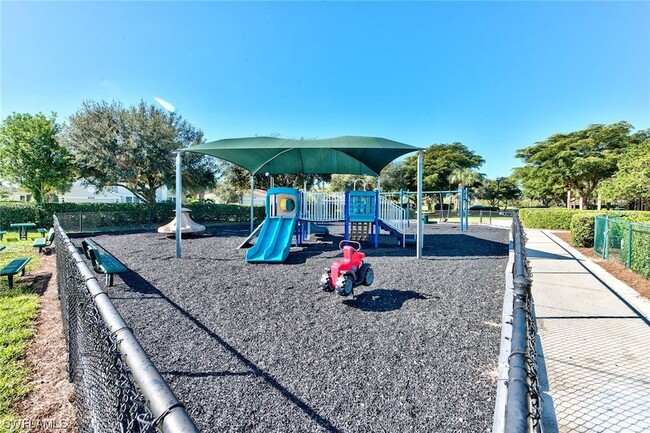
<point>638,249</point>
<point>580,222</point>
<point>552,219</point>
<point>123,213</point>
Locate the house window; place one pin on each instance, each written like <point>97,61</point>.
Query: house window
<point>128,199</point>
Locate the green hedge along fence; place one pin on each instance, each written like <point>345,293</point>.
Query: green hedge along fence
<point>580,222</point>
<point>121,215</point>
<point>624,241</point>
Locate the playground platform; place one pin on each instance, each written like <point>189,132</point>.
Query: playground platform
<point>594,342</point>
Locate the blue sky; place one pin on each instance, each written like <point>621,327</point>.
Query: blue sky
<point>495,76</point>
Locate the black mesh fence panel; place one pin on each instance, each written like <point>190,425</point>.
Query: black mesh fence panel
<point>107,398</point>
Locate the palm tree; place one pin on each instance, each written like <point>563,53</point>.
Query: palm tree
<point>464,177</point>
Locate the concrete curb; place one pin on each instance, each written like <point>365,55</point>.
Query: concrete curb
<point>506,334</point>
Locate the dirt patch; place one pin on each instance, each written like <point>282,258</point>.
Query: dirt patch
<point>50,403</point>
<point>631,278</point>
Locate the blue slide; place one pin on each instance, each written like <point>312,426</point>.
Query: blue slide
<point>274,241</point>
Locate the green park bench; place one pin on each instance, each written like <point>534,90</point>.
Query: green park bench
<point>103,263</point>
<point>43,242</point>
<point>15,266</point>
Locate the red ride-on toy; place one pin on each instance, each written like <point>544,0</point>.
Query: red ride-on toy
<point>349,272</point>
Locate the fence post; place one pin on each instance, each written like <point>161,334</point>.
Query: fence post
<point>606,239</point>
<point>629,245</point>
<point>81,224</point>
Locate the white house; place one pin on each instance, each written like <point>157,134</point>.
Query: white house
<point>116,194</point>
<point>82,194</point>
<point>259,197</point>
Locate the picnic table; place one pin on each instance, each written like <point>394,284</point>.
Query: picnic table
<point>22,229</point>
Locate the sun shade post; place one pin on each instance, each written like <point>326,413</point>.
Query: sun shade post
<point>419,212</point>
<point>179,187</point>
<point>252,200</point>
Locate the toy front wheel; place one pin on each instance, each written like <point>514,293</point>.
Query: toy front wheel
<point>344,285</point>
<point>369,277</point>
<point>325,283</point>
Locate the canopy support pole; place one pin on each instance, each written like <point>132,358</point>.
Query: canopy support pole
<point>252,200</point>
<point>420,228</point>
<point>179,195</point>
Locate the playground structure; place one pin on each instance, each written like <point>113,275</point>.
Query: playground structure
<point>187,226</point>
<point>292,213</point>
<point>461,195</point>
<point>277,230</point>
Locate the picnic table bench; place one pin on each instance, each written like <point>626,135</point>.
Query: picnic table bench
<point>2,233</point>
<point>103,263</point>
<point>43,242</point>
<point>22,229</point>
<point>14,266</point>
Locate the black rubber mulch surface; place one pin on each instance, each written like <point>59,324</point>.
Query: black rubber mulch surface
<point>260,348</point>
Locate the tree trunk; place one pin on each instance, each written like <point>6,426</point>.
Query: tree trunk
<point>568,199</point>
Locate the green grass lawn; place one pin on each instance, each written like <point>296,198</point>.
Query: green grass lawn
<point>18,310</point>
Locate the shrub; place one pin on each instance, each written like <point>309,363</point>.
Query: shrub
<point>640,254</point>
<point>20,213</point>
<point>552,219</point>
<point>121,214</point>
<point>560,219</point>
<point>582,230</point>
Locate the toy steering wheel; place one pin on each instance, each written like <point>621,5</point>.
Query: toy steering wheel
<point>351,243</point>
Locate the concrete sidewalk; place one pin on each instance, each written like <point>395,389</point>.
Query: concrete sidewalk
<point>594,335</point>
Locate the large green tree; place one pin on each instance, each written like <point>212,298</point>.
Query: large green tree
<point>134,148</point>
<point>632,180</point>
<point>341,182</point>
<point>394,177</point>
<point>31,156</point>
<point>439,162</point>
<point>540,184</point>
<point>579,160</point>
<point>499,190</point>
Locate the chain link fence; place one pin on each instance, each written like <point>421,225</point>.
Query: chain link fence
<point>623,241</point>
<point>117,388</point>
<point>94,222</point>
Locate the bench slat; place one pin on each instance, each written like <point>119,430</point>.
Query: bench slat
<point>111,265</point>
<point>43,242</point>
<point>15,266</point>
<point>103,263</point>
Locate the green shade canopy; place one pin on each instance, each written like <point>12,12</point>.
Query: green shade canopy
<point>339,155</point>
